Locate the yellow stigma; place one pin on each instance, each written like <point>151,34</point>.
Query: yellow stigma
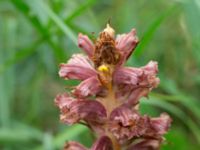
<point>103,68</point>
<point>105,76</point>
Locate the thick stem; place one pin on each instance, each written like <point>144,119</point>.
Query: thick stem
<point>111,103</point>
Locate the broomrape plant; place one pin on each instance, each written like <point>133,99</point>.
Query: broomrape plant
<point>107,99</point>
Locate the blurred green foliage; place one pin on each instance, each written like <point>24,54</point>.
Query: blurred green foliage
<point>35,36</point>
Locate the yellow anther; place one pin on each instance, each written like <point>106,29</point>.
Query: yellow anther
<point>103,68</point>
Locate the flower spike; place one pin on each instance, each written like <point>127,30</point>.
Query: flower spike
<point>107,98</point>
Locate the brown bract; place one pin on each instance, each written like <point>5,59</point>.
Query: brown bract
<point>105,51</point>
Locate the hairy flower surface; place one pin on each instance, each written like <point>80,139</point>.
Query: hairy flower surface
<point>107,98</point>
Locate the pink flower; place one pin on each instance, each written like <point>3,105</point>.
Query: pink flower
<point>127,124</point>
<point>78,67</point>
<point>73,110</point>
<point>89,87</point>
<point>86,44</point>
<point>126,43</point>
<point>106,99</point>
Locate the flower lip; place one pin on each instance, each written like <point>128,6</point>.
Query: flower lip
<point>73,110</point>
<point>134,83</point>
<point>126,123</point>
<point>146,144</point>
<point>126,43</point>
<point>86,44</point>
<point>88,87</point>
<point>78,67</point>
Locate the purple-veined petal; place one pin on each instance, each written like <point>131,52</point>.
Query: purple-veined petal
<point>78,67</point>
<point>160,125</point>
<point>152,138</point>
<point>136,95</point>
<point>151,67</point>
<point>74,146</point>
<point>88,87</point>
<point>146,144</point>
<point>132,76</point>
<point>150,72</point>
<point>124,115</point>
<point>103,143</point>
<point>147,81</point>
<point>86,44</point>
<point>134,83</point>
<point>126,43</point>
<point>63,100</point>
<point>127,75</point>
<point>130,95</point>
<point>74,110</point>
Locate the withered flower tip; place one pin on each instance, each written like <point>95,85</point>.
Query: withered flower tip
<point>108,96</point>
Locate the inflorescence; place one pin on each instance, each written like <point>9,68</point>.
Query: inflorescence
<point>107,99</point>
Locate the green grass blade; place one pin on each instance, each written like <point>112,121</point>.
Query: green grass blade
<point>59,22</point>
<point>26,11</point>
<point>79,10</point>
<point>188,102</point>
<point>148,35</point>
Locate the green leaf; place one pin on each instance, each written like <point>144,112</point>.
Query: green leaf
<point>79,10</point>
<point>58,22</point>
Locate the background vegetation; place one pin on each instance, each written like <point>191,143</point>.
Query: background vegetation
<point>37,35</point>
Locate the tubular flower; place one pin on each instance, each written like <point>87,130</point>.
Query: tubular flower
<point>107,98</point>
